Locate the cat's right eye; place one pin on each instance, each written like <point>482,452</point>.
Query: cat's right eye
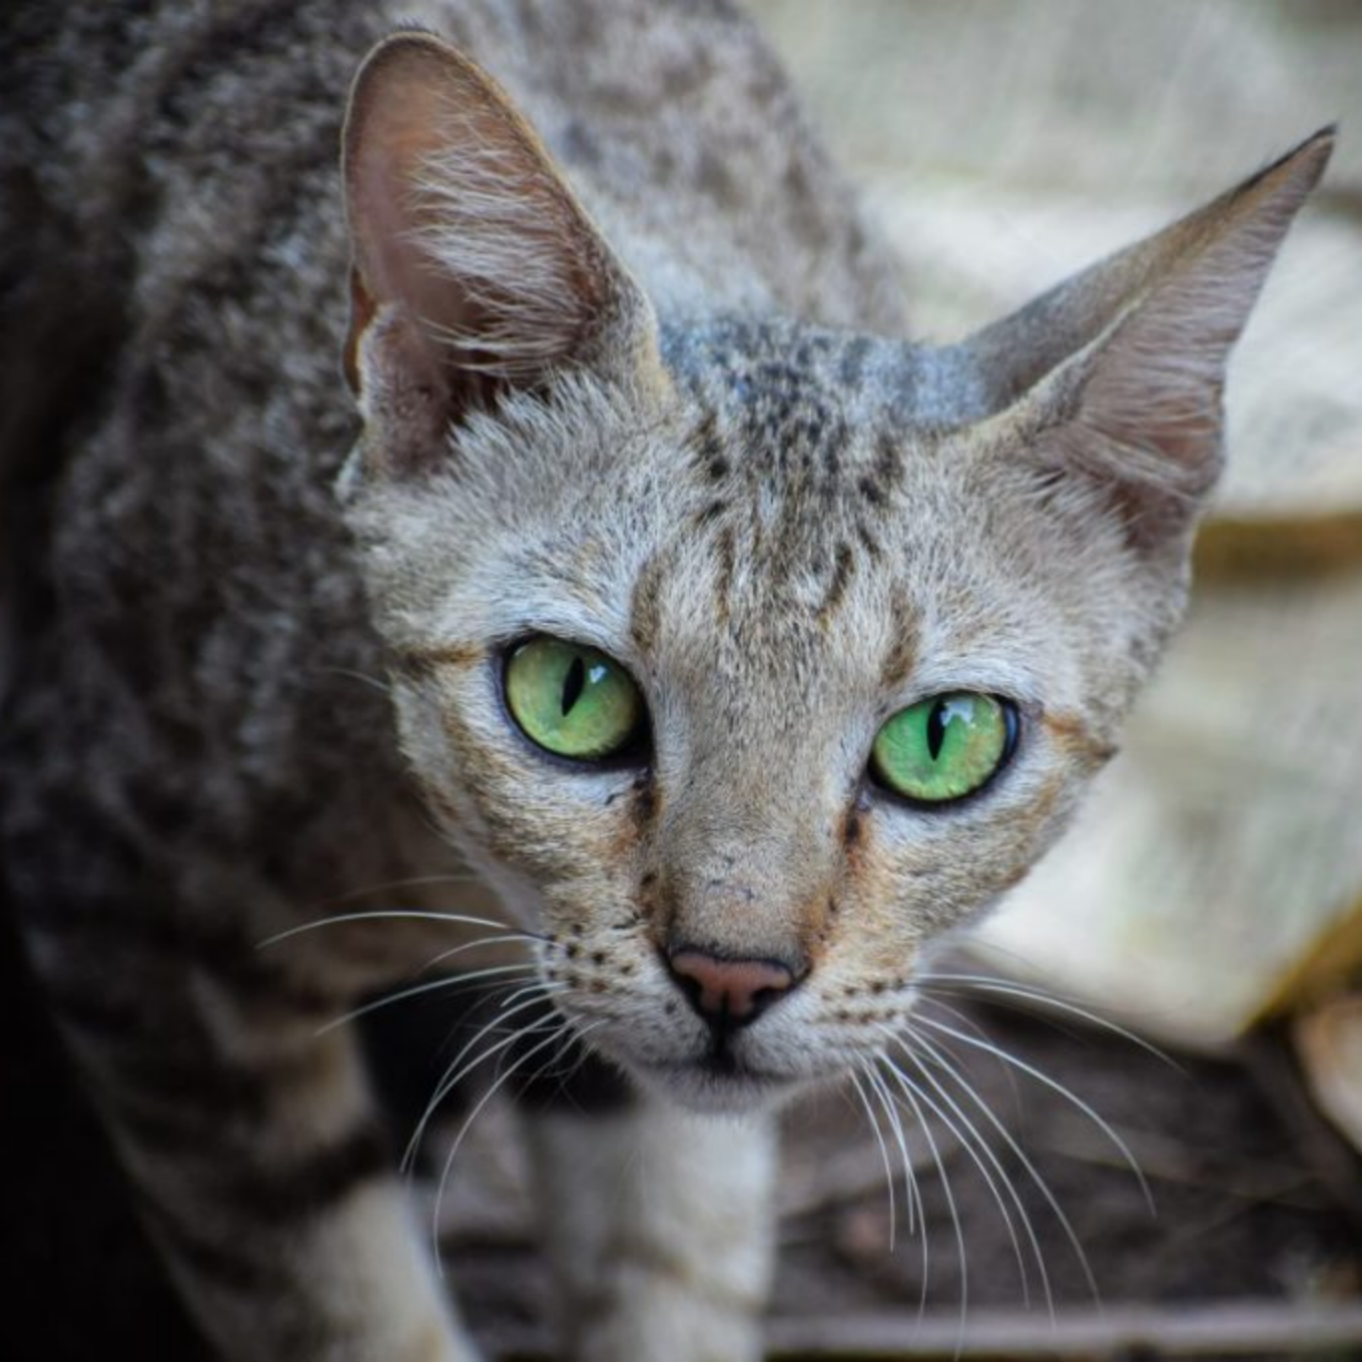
<point>572,700</point>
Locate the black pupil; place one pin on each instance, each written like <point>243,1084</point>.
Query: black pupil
<point>573,685</point>
<point>934,731</point>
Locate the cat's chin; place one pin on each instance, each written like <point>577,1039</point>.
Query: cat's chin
<point>730,1090</point>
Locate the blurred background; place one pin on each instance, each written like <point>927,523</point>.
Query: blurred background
<point>1096,1200</point>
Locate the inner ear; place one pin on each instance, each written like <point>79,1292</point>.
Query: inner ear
<point>475,268</point>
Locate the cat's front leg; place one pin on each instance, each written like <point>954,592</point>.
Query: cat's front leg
<point>257,1152</point>
<point>659,1223</point>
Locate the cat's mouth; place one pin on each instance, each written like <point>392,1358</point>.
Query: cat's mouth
<point>721,1063</point>
<point>719,1080</point>
<point>721,1069</point>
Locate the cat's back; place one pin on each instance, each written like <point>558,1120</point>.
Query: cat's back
<point>178,588</point>
<point>174,265</point>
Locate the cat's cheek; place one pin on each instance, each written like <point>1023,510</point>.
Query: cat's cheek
<point>495,798</point>
<point>868,919</point>
<point>914,875</point>
<point>424,740</point>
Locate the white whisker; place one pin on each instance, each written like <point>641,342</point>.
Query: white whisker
<point>1035,1176</point>
<point>575,1031</point>
<point>982,1150</point>
<point>470,945</point>
<point>913,1097</point>
<point>446,916</point>
<point>474,1114</point>
<point>969,1022</point>
<point>455,1074</point>
<point>986,987</point>
<point>907,1167</point>
<point>457,980</point>
<point>1056,1086</point>
<point>428,880</point>
<point>545,988</point>
<point>886,1156</point>
<point>586,1054</point>
<point>378,684</point>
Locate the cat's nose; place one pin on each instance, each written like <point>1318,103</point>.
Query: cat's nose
<point>729,992</point>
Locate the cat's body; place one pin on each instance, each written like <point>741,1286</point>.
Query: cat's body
<point>679,439</point>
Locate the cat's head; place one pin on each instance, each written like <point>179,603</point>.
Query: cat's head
<point>746,658</point>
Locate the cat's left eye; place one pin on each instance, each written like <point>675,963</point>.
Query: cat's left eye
<point>572,700</point>
<point>945,747</point>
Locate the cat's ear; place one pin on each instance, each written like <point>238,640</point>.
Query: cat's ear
<point>474,267</point>
<point>1118,373</point>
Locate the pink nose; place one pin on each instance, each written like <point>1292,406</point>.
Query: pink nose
<point>729,991</point>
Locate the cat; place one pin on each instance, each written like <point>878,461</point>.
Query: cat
<point>738,648</point>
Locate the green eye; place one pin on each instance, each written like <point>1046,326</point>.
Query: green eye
<point>945,747</point>
<point>572,700</point>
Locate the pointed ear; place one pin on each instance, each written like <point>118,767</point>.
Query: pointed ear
<point>1118,374</point>
<point>475,270</point>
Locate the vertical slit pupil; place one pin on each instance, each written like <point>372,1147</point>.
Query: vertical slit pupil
<point>573,685</point>
<point>934,731</point>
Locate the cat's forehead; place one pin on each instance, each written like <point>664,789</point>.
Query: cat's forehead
<point>816,523</point>
<point>789,388</point>
<point>791,511</point>
<point>810,451</point>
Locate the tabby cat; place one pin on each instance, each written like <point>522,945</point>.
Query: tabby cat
<point>737,647</point>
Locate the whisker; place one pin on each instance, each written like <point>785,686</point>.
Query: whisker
<point>912,1094</point>
<point>969,1022</point>
<point>458,979</point>
<point>1056,1086</point>
<point>886,1157</point>
<point>355,674</point>
<point>545,988</point>
<point>455,1073</point>
<point>924,1245</point>
<point>517,937</point>
<point>973,1133</point>
<point>581,1061</point>
<point>907,1167</point>
<point>399,884</point>
<point>574,1032</point>
<point>426,880</point>
<point>474,1114</point>
<point>983,987</point>
<point>446,916</point>
<point>563,1095</point>
<point>1035,1176</point>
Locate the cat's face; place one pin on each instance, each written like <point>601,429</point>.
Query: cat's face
<point>776,542</point>
<point>779,570</point>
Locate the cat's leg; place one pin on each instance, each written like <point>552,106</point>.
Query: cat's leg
<point>660,1227</point>
<point>254,1143</point>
